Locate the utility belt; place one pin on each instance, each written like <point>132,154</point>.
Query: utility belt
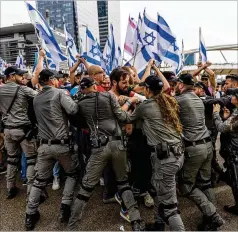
<point>102,140</point>
<point>15,127</point>
<point>54,141</point>
<point>29,131</point>
<point>198,142</point>
<point>164,150</point>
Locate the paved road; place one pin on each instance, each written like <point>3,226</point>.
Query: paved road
<point>99,216</point>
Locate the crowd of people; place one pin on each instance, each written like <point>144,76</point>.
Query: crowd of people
<point>89,128</point>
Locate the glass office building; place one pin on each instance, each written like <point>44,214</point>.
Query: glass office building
<point>57,11</point>
<point>108,12</point>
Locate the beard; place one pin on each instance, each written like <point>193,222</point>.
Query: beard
<point>121,91</point>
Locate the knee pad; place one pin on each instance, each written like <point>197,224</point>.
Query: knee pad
<point>31,161</point>
<point>74,175</point>
<point>161,211</point>
<point>83,198</point>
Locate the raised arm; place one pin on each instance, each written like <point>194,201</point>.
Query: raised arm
<point>211,74</point>
<point>39,67</point>
<point>161,76</point>
<point>148,69</point>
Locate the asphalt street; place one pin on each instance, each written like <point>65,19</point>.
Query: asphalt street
<point>97,215</point>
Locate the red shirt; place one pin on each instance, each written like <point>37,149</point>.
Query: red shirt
<point>100,88</point>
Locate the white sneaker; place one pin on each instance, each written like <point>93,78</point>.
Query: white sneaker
<point>56,183</point>
<point>148,200</point>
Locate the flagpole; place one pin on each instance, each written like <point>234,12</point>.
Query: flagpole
<point>200,34</point>
<point>137,45</point>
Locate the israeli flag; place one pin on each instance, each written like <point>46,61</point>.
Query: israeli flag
<point>118,58</point>
<point>2,65</point>
<point>137,37</point>
<point>141,61</point>
<point>93,53</point>
<point>46,34</point>
<point>149,36</point>
<point>202,49</point>
<point>20,62</point>
<point>168,49</point>
<point>50,62</point>
<point>109,52</point>
<point>71,47</point>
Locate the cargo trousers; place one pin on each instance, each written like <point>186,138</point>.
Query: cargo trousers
<point>163,180</point>
<point>195,177</point>
<point>114,151</point>
<point>47,155</point>
<point>13,141</point>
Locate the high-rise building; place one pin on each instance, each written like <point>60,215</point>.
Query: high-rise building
<point>108,12</point>
<point>87,14</point>
<point>57,11</point>
<point>77,16</point>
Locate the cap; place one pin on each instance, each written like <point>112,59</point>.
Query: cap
<point>232,91</point>
<point>86,82</point>
<point>59,75</point>
<point>200,85</point>
<point>170,76</point>
<point>46,74</point>
<point>152,82</point>
<point>14,70</point>
<point>186,79</point>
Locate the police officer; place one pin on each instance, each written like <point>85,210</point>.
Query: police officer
<point>195,182</point>
<point>161,126</point>
<point>51,108</point>
<point>230,128</point>
<point>208,101</point>
<point>101,111</point>
<point>13,107</point>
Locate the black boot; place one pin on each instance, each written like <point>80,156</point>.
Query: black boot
<point>233,209</point>
<point>31,220</point>
<point>155,226</point>
<point>64,213</point>
<point>214,222</point>
<point>12,192</point>
<point>138,225</point>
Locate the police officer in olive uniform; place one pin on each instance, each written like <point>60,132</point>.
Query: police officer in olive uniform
<point>167,151</point>
<point>195,181</point>
<point>101,111</point>
<point>208,101</point>
<point>13,107</point>
<point>51,108</point>
<point>230,128</point>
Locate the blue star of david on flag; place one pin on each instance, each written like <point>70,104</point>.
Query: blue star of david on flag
<point>175,46</point>
<point>149,38</point>
<point>70,43</point>
<point>94,50</point>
